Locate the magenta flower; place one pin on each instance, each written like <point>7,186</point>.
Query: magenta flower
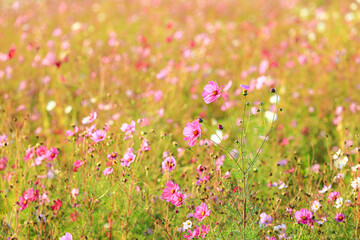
<point>128,158</point>
<point>112,156</point>
<point>169,164</point>
<point>192,131</point>
<point>67,236</point>
<point>56,206</point>
<point>31,195</point>
<point>201,212</point>
<point>178,199</point>
<point>340,217</point>
<point>303,216</point>
<point>170,190</point>
<point>265,219</point>
<point>78,163</point>
<point>108,171</point>
<point>23,203</point>
<point>190,234</point>
<point>211,92</point>
<point>3,162</point>
<point>98,136</point>
<point>29,154</point>
<point>333,196</point>
<point>41,151</point>
<point>204,230</point>
<point>52,154</point>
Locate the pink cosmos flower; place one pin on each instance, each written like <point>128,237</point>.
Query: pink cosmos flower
<point>31,195</point>
<point>333,196</point>
<point>41,151</point>
<point>303,216</point>
<point>190,235</point>
<point>178,199</point>
<point>170,190</point>
<point>75,192</point>
<point>128,158</point>
<point>3,140</point>
<point>70,133</point>
<point>265,219</point>
<point>56,206</point>
<point>169,164</point>
<point>44,199</point>
<point>108,171</point>
<point>23,203</point>
<point>90,118</point>
<point>77,164</point>
<point>67,236</point>
<point>211,92</point>
<point>29,154</point>
<point>52,154</point>
<point>128,129</point>
<point>143,122</point>
<point>145,146</point>
<point>158,95</point>
<point>3,162</point>
<point>201,212</point>
<point>204,230</point>
<point>192,131</point>
<point>340,217</point>
<point>89,131</point>
<point>98,136</point>
<point>112,156</point>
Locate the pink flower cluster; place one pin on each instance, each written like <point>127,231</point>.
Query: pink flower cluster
<point>39,154</point>
<point>198,232</point>
<point>171,194</point>
<point>128,129</point>
<point>29,195</point>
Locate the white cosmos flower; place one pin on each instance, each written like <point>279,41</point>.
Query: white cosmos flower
<point>315,206</point>
<point>339,202</point>
<point>50,106</point>
<point>337,154</point>
<point>217,137</point>
<point>341,162</point>
<point>356,183</point>
<point>280,227</point>
<point>274,99</point>
<point>339,176</point>
<point>187,225</point>
<point>270,116</point>
<point>355,168</point>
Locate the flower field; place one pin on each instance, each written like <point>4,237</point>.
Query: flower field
<point>156,119</point>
